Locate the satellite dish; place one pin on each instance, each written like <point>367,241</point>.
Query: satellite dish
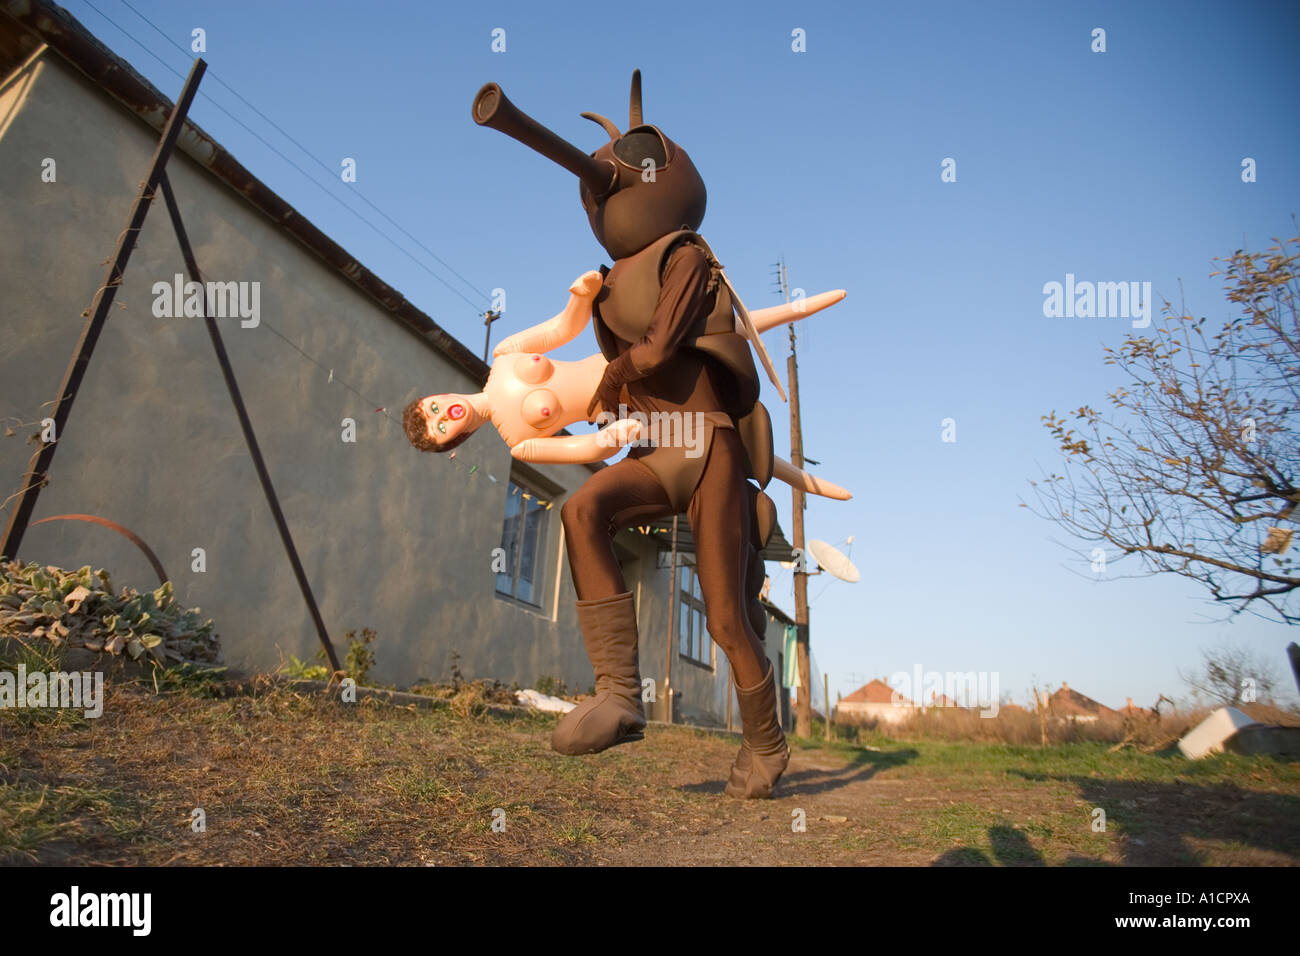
<point>829,558</point>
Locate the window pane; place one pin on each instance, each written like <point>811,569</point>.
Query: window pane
<point>684,629</point>
<point>513,500</point>
<point>530,557</point>
<point>510,544</point>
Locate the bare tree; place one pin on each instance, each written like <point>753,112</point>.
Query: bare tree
<point>1194,470</point>
<point>1232,675</point>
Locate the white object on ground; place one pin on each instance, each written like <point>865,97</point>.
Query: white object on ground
<point>1209,735</point>
<point>539,701</point>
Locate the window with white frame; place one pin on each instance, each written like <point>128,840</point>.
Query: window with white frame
<point>523,539</point>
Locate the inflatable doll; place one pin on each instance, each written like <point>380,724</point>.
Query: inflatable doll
<point>675,339</point>
<point>529,397</point>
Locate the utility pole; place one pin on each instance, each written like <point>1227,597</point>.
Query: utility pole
<point>803,710</point>
<point>488,318</point>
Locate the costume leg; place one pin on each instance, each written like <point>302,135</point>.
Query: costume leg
<point>611,499</point>
<point>721,516</point>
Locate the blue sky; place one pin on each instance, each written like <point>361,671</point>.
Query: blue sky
<point>1115,166</point>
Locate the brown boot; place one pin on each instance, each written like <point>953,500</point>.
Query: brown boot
<point>763,753</point>
<point>614,715</point>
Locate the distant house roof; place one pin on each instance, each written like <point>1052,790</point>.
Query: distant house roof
<point>1068,702</point>
<point>1129,710</point>
<point>874,692</point>
<point>941,700</point>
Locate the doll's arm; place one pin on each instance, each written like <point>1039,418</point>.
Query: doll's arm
<point>561,329</point>
<point>778,315</point>
<point>579,449</point>
<point>797,478</point>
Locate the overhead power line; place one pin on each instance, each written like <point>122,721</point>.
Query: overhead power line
<point>475,305</point>
<point>329,170</point>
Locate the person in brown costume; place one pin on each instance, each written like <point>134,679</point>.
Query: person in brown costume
<point>664,320</point>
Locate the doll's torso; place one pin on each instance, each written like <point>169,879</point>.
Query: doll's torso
<point>532,396</point>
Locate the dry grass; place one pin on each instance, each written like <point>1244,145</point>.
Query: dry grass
<point>1146,731</point>
<point>286,777</point>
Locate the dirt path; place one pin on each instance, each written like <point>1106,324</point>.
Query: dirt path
<point>284,778</point>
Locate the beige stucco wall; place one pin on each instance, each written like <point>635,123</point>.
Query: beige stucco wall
<point>390,538</point>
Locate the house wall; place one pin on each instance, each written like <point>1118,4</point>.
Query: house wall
<point>390,538</point>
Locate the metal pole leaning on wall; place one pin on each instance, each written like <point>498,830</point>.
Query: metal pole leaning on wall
<point>254,450</point>
<point>39,467</point>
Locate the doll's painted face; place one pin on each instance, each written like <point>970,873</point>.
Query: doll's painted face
<point>448,418</point>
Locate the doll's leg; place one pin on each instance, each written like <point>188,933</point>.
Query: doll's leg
<point>721,523</point>
<point>613,498</point>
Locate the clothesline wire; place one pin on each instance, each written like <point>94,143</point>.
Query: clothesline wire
<point>452,458</point>
<point>401,248</point>
<point>319,162</point>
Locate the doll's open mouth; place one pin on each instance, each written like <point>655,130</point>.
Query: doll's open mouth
<point>456,411</point>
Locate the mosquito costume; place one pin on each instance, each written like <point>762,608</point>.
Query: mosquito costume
<point>678,340</point>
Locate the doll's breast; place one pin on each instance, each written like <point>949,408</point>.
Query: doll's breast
<point>540,408</point>
<point>520,409</point>
<point>533,368</point>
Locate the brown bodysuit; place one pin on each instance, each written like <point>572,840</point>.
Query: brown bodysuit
<point>666,326</point>
<point>660,372</point>
<point>665,378</point>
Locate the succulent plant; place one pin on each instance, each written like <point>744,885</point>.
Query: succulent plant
<point>79,609</point>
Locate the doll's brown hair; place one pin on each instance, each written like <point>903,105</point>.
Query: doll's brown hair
<point>416,427</point>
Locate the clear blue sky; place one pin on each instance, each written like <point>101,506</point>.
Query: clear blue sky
<point>1116,166</point>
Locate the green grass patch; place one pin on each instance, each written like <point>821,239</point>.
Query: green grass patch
<point>32,815</point>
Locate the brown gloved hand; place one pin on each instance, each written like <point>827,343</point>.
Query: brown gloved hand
<point>617,374</point>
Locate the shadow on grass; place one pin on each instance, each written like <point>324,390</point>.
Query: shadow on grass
<point>862,765</point>
<point>1159,819</point>
<point>1010,846</point>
